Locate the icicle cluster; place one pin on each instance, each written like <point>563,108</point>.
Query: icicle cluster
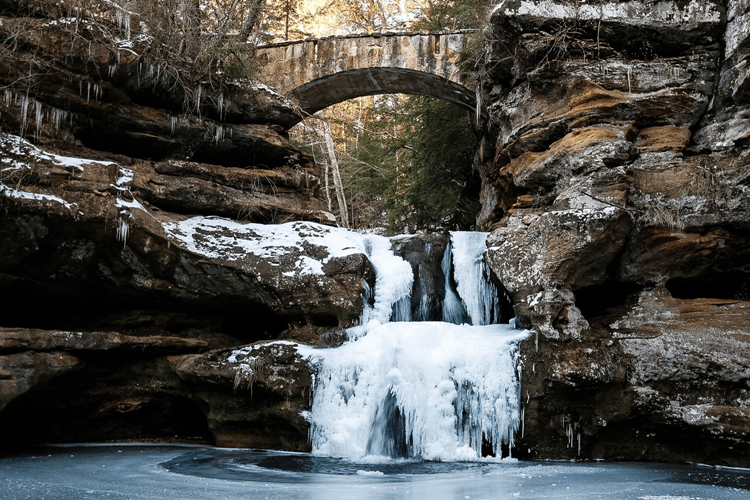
<point>431,390</point>
<point>26,103</point>
<point>123,183</point>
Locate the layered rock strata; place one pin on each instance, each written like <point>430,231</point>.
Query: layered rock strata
<point>119,271</point>
<point>616,192</point>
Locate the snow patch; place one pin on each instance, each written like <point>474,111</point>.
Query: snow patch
<point>220,238</point>
<point>25,195</point>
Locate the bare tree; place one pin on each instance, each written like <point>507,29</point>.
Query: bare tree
<point>333,162</point>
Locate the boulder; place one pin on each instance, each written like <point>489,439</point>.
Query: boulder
<point>257,396</point>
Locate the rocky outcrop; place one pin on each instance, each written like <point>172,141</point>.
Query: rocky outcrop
<point>132,285</point>
<point>279,382</point>
<point>117,103</point>
<point>123,273</point>
<point>616,193</point>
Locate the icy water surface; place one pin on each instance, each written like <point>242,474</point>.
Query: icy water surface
<point>206,473</point>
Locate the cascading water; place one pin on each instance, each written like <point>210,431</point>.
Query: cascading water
<point>430,390</point>
<point>393,283</point>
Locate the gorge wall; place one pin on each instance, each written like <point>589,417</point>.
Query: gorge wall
<point>615,168</point>
<point>107,300</point>
<point>615,184</point>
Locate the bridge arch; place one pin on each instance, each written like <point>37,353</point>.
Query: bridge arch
<point>333,89</point>
<point>318,73</point>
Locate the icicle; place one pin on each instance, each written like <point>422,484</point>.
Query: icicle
<point>58,118</point>
<point>570,435</point>
<point>8,97</point>
<point>122,185</point>
<point>218,134</point>
<point>24,111</point>
<point>198,98</point>
<point>88,92</point>
<point>39,116</point>
<point>112,70</point>
<point>173,119</point>
<point>126,19</point>
<point>523,419</point>
<point>579,444</point>
<point>123,227</point>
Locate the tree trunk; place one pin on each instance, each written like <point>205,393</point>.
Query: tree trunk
<point>252,19</point>
<point>343,211</point>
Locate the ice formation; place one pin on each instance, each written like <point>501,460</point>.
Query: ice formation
<point>393,282</point>
<point>429,390</point>
<point>478,294</point>
<point>453,310</point>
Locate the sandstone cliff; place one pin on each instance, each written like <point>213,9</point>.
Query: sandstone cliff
<point>120,269</point>
<point>615,183</point>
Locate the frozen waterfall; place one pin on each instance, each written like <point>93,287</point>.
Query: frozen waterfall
<point>472,275</point>
<point>429,390</point>
<point>453,310</point>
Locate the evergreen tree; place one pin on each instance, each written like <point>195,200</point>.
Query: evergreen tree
<point>412,163</point>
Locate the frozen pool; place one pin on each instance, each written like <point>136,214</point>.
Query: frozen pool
<point>182,472</point>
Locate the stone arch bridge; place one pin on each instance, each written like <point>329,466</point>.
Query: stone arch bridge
<point>318,73</point>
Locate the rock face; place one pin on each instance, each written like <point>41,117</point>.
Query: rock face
<point>128,278</point>
<point>617,195</point>
<point>103,293</point>
<point>271,416</point>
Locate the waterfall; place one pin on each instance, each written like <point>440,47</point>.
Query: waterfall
<point>477,292</point>
<point>428,390</point>
<point>393,282</point>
